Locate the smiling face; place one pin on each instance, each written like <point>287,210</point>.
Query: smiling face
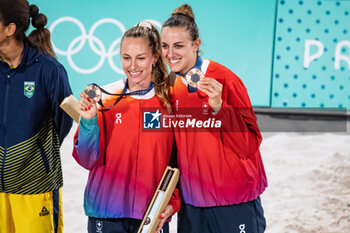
<point>137,60</point>
<point>178,50</point>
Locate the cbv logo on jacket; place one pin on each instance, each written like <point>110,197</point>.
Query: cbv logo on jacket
<point>29,88</point>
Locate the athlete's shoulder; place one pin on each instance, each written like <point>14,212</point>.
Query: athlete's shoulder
<point>45,61</point>
<point>217,70</point>
<point>213,65</point>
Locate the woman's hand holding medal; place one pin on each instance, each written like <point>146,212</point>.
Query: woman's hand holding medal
<point>211,87</point>
<point>87,105</point>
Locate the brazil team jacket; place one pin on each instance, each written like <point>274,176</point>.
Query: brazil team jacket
<point>32,126</point>
<point>218,157</point>
<point>126,159</point>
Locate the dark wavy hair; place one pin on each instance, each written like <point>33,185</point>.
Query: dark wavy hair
<point>183,17</point>
<point>20,12</point>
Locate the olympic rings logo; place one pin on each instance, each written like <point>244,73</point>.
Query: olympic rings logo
<point>104,54</point>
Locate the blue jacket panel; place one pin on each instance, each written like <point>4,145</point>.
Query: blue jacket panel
<point>32,125</point>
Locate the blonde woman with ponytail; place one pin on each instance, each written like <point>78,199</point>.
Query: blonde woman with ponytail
<point>126,160</point>
<point>32,126</point>
<point>222,173</point>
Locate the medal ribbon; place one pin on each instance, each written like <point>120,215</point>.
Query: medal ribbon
<point>139,92</point>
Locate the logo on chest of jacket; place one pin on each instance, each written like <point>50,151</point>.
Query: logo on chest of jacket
<point>152,120</point>
<point>44,212</point>
<point>205,107</point>
<point>118,119</point>
<point>29,88</point>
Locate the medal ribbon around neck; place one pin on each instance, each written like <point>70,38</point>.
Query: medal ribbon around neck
<point>94,92</point>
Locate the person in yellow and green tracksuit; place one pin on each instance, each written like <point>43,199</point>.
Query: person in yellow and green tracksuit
<point>32,126</point>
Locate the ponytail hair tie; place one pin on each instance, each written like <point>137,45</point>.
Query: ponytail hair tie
<point>145,24</point>
<point>33,11</point>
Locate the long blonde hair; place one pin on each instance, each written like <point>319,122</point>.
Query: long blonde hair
<point>159,75</point>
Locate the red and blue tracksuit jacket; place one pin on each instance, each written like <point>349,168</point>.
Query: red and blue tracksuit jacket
<point>218,166</point>
<point>126,161</point>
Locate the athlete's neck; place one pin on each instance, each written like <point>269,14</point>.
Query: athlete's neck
<point>190,65</point>
<point>12,52</point>
<point>143,85</point>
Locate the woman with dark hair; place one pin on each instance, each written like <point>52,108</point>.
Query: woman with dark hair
<point>32,126</point>
<point>126,160</point>
<point>222,174</point>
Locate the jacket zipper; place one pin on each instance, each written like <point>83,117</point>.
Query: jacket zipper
<point>2,166</point>
<point>5,148</point>
<point>138,154</point>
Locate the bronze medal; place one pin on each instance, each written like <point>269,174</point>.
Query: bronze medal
<point>94,92</point>
<point>194,76</point>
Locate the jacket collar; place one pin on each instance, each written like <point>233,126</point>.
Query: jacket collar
<point>30,55</point>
